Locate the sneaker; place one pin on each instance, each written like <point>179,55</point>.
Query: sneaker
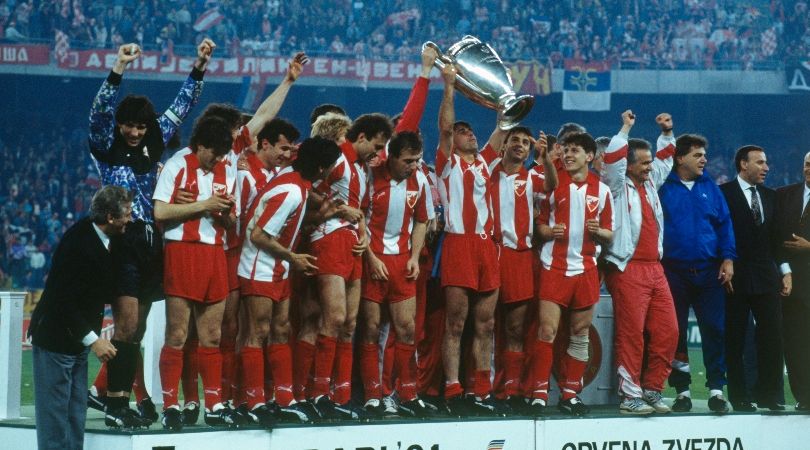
<point>310,410</point>
<point>416,408</point>
<point>654,399</point>
<point>146,408</point>
<point>191,412</point>
<point>96,401</point>
<point>349,411</point>
<point>261,415</point>
<point>536,407</point>
<point>517,405</point>
<point>124,417</point>
<point>457,406</point>
<point>482,407</point>
<point>682,404</point>
<point>390,405</point>
<point>374,407</point>
<point>635,405</point>
<point>718,404</point>
<point>326,408</point>
<point>241,412</point>
<point>573,407</point>
<point>173,419</point>
<point>434,403</point>
<point>219,415</point>
<point>297,412</point>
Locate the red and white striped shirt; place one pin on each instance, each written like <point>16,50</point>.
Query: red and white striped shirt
<point>242,142</point>
<point>279,211</point>
<point>463,188</point>
<point>393,208</point>
<point>572,204</point>
<point>345,184</point>
<point>248,185</point>
<point>182,171</point>
<point>513,200</point>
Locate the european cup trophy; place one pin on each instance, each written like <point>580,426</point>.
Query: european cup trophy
<point>483,78</point>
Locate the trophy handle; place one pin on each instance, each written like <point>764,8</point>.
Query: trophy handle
<point>443,59</point>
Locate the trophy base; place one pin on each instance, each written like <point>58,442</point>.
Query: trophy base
<point>515,110</point>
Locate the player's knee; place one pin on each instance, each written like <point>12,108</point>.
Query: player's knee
<point>280,331</point>
<point>546,333</point>
<point>406,331</point>
<point>455,326</point>
<point>176,336</point>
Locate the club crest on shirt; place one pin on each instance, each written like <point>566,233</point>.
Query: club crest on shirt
<point>592,202</point>
<point>220,189</point>
<point>411,197</point>
<point>520,187</point>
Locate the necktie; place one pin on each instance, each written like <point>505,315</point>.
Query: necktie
<point>805,213</point>
<point>755,209</point>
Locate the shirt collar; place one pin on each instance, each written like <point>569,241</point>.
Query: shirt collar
<point>105,240</point>
<point>746,186</point>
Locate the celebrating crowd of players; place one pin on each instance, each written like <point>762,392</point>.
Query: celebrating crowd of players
<point>281,262</point>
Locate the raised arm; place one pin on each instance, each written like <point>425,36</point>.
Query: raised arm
<point>412,114</point>
<point>272,104</point>
<point>665,150</point>
<point>102,111</point>
<point>550,178</point>
<point>615,169</point>
<point>189,93</point>
<point>447,111</point>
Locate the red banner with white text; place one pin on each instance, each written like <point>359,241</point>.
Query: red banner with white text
<point>529,77</point>
<point>24,54</point>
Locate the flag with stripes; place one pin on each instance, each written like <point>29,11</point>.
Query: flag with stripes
<point>61,46</point>
<point>208,20</point>
<point>496,444</point>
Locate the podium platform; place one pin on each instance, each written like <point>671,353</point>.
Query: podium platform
<point>604,429</point>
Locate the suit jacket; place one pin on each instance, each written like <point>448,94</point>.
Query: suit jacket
<point>789,213</point>
<point>755,269</point>
<point>80,282</point>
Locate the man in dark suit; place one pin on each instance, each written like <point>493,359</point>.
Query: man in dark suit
<point>794,233</point>
<point>757,283</point>
<point>66,323</point>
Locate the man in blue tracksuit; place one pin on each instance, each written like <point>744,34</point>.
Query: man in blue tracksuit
<point>698,261</point>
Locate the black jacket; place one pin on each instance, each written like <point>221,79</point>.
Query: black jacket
<point>755,269</point>
<point>789,213</point>
<point>80,282</point>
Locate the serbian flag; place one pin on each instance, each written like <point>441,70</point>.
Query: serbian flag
<point>586,86</point>
<point>208,20</point>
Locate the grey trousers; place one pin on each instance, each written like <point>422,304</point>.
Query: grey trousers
<point>60,399</point>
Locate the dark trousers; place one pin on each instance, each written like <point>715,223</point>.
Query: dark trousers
<point>796,320</point>
<point>699,288</point>
<point>766,309</point>
<point>60,399</point>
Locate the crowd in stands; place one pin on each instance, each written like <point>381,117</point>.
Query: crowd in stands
<point>656,34</point>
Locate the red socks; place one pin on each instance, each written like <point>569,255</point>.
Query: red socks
<point>572,372</point>
<point>405,368</point>
<point>543,353</point>
<point>280,358</point>
<point>343,373</point>
<point>228,351</point>
<point>139,386</point>
<point>324,360</point>
<point>513,366</point>
<point>370,370</point>
<point>171,365</point>
<point>252,361</point>
<point>191,371</point>
<point>211,374</point>
<point>304,356</point>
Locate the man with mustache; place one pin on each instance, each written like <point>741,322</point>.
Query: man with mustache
<point>699,254</point>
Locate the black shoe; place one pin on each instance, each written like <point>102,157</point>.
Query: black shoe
<point>536,407</point>
<point>191,413</point>
<point>573,407</point>
<point>744,407</point>
<point>95,401</point>
<point>375,408</point>
<point>434,403</point>
<point>718,404</point>
<point>326,408</point>
<point>301,412</point>
<point>682,404</point>
<point>350,411</point>
<point>416,408</point>
<point>457,406</point>
<point>223,417</point>
<point>518,406</point>
<point>261,415</point>
<point>173,419</point>
<point>124,417</point>
<point>485,407</point>
<point>310,410</point>
<point>803,407</point>
<point>241,412</point>
<point>146,408</point>
<point>773,406</point>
